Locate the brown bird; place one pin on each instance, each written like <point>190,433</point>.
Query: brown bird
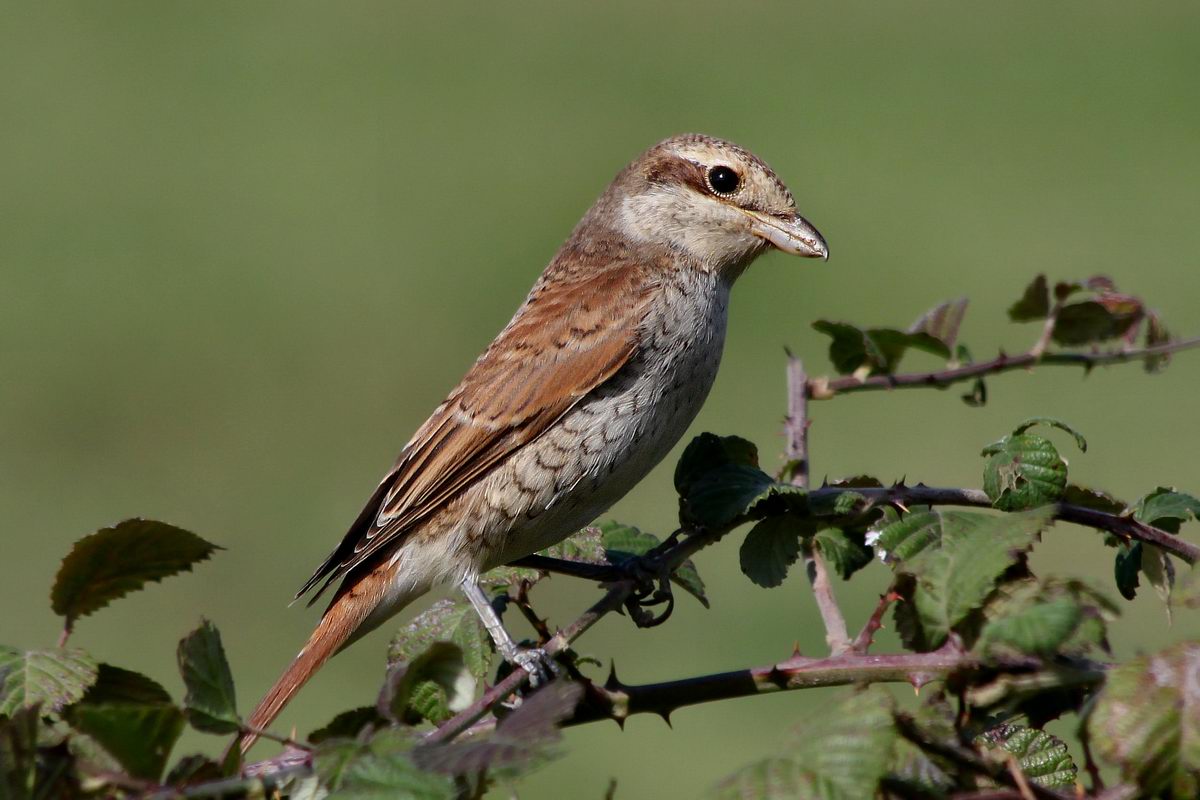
<point>597,376</point>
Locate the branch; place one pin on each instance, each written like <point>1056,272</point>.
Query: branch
<point>619,701</point>
<point>1124,527</point>
<point>796,425</point>
<point>825,388</point>
<point>836,635</point>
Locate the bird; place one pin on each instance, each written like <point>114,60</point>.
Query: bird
<point>597,376</point>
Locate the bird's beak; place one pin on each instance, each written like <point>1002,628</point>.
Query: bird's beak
<point>791,234</point>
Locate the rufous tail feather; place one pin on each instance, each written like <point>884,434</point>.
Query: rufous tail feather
<point>342,622</point>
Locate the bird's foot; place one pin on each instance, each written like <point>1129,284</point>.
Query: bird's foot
<point>653,589</point>
<point>541,667</point>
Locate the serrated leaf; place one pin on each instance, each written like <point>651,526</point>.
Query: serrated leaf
<point>1043,758</point>
<point>210,703</point>
<point>1167,509</point>
<point>903,538</point>
<point>132,718</point>
<point>878,350</point>
<point>954,579</point>
<point>1156,334</point>
<point>1037,629</point>
<point>1092,321</point>
<point>726,493</point>
<point>51,679</point>
<point>708,452</point>
<point>447,620</point>
<point>1024,471</point>
<point>1126,566</point>
<point>769,549</point>
<point>1146,721</point>
<point>848,748</point>
<point>113,562</point>
<point>434,685</point>
<point>348,724</point>
<point>1158,569</point>
<point>1034,303</point>
<point>1052,422</point>
<point>942,322</point>
<point>623,542</point>
<point>774,778</point>
<point>587,546</point>
<point>382,768</point>
<point>844,554</point>
<point>1092,498</point>
<point>522,738</point>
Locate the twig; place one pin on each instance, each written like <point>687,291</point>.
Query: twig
<point>836,635</point>
<point>823,389</point>
<point>796,426</point>
<point>866,637</point>
<point>1122,526</point>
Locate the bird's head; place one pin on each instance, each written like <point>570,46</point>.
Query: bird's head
<point>717,202</point>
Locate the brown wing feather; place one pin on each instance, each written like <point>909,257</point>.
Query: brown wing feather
<point>575,331</point>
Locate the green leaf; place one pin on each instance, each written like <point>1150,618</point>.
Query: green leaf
<point>1038,629</point>
<point>956,578</point>
<point>1023,471</point>
<point>774,778</point>
<point>348,724</point>
<point>434,685</point>
<point>113,562</point>
<point>708,452</point>
<point>769,549</point>
<point>1034,303</point>
<point>1158,569</point>
<point>1167,509</point>
<point>51,679</point>
<point>1146,722</point>
<point>878,350</point>
<point>447,620</point>
<point>1093,498</point>
<point>522,739</point>
<point>210,703</point>
<point>623,542</point>
<point>132,717</point>
<point>194,769</point>
<point>902,538</point>
<point>1091,321</point>
<point>381,769</point>
<point>1051,422</point>
<point>1156,334</point>
<point>1043,758</point>
<point>726,493</point>
<point>1126,566</point>
<point>848,748</point>
<point>844,554</point>
<point>942,322</point>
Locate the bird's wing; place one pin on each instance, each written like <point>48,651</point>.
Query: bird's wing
<point>572,334</point>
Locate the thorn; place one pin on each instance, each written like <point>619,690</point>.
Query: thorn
<point>612,683</point>
<point>796,649</point>
<point>777,677</point>
<point>918,680</point>
<point>666,715</point>
<point>620,722</point>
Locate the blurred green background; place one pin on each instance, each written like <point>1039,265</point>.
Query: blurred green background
<point>247,247</point>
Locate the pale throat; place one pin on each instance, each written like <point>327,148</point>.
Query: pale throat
<point>675,217</point>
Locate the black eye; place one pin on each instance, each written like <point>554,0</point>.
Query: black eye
<point>723,180</point>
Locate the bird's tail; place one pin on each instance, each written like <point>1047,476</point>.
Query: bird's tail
<point>348,617</point>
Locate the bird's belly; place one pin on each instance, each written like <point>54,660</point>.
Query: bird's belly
<point>608,443</point>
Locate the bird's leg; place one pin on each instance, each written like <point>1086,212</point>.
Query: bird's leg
<point>540,667</point>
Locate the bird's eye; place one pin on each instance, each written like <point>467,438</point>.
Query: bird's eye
<point>723,180</point>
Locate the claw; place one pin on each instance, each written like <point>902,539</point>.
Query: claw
<point>541,667</point>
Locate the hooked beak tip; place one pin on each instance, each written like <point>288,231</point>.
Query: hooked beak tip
<point>794,235</point>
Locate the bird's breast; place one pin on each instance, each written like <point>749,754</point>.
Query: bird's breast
<point>610,440</point>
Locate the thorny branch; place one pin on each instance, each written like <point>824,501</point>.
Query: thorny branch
<point>825,388</point>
